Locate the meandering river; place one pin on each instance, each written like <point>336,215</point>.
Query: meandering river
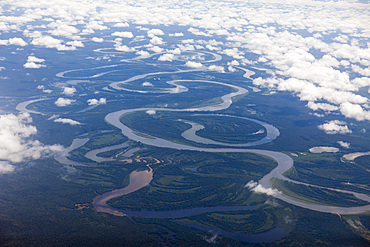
<point>140,179</point>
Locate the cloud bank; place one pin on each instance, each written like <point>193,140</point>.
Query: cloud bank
<point>317,53</point>
<point>17,144</point>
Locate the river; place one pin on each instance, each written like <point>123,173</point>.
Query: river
<point>140,179</point>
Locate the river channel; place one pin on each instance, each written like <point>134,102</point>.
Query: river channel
<point>140,179</point>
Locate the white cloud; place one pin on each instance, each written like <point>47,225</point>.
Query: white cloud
<point>95,25</point>
<point>35,59</point>
<point>354,111</point>
<point>143,54</point>
<point>196,31</point>
<point>32,65</point>
<point>231,69</point>
<point>17,41</point>
<point>234,52</point>
<point>186,47</point>
<point>219,69</point>
<point>97,40</point>
<point>69,90</point>
<point>193,64</point>
<point>66,121</point>
<point>155,32</point>
<point>13,41</point>
<point>175,51</point>
<point>344,144</point>
<point>176,34</point>
<point>59,28</point>
<point>17,144</point>
<point>124,48</point>
<point>335,127</point>
<point>75,43</point>
<point>125,24</point>
<point>42,87</point>
<point>166,57</point>
<point>50,42</point>
<point>101,101</point>
<point>233,63</point>
<point>324,73</point>
<point>123,34</point>
<point>6,167</point>
<point>321,106</point>
<point>63,102</point>
<point>156,41</point>
<point>156,49</point>
<point>259,189</point>
<point>151,112</point>
<point>147,84</point>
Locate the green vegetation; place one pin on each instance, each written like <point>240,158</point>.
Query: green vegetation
<point>166,125</point>
<point>48,204</point>
<point>363,161</point>
<point>229,130</point>
<point>313,195</point>
<point>155,125</point>
<point>328,170</point>
<point>218,181</point>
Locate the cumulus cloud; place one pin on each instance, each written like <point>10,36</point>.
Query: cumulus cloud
<point>97,40</point>
<point>50,42</point>
<point>321,106</point>
<point>63,102</point>
<point>176,34</point>
<point>156,49</point>
<point>6,167</point>
<point>121,24</point>
<point>35,59</point>
<point>234,52</point>
<point>155,32</point>
<point>219,69</point>
<point>69,90</point>
<point>42,87</point>
<point>175,51</point>
<point>259,189</point>
<point>156,41</point>
<point>354,111</point>
<point>124,48</point>
<point>143,54</point>
<point>13,41</point>
<point>166,57</point>
<point>66,121</point>
<point>233,63</point>
<point>344,144</point>
<point>101,101</point>
<point>326,67</point>
<point>147,84</point>
<point>123,34</point>
<point>193,64</point>
<point>17,144</point>
<point>34,63</point>
<point>151,112</point>
<point>59,28</point>
<point>75,43</point>
<point>335,127</point>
